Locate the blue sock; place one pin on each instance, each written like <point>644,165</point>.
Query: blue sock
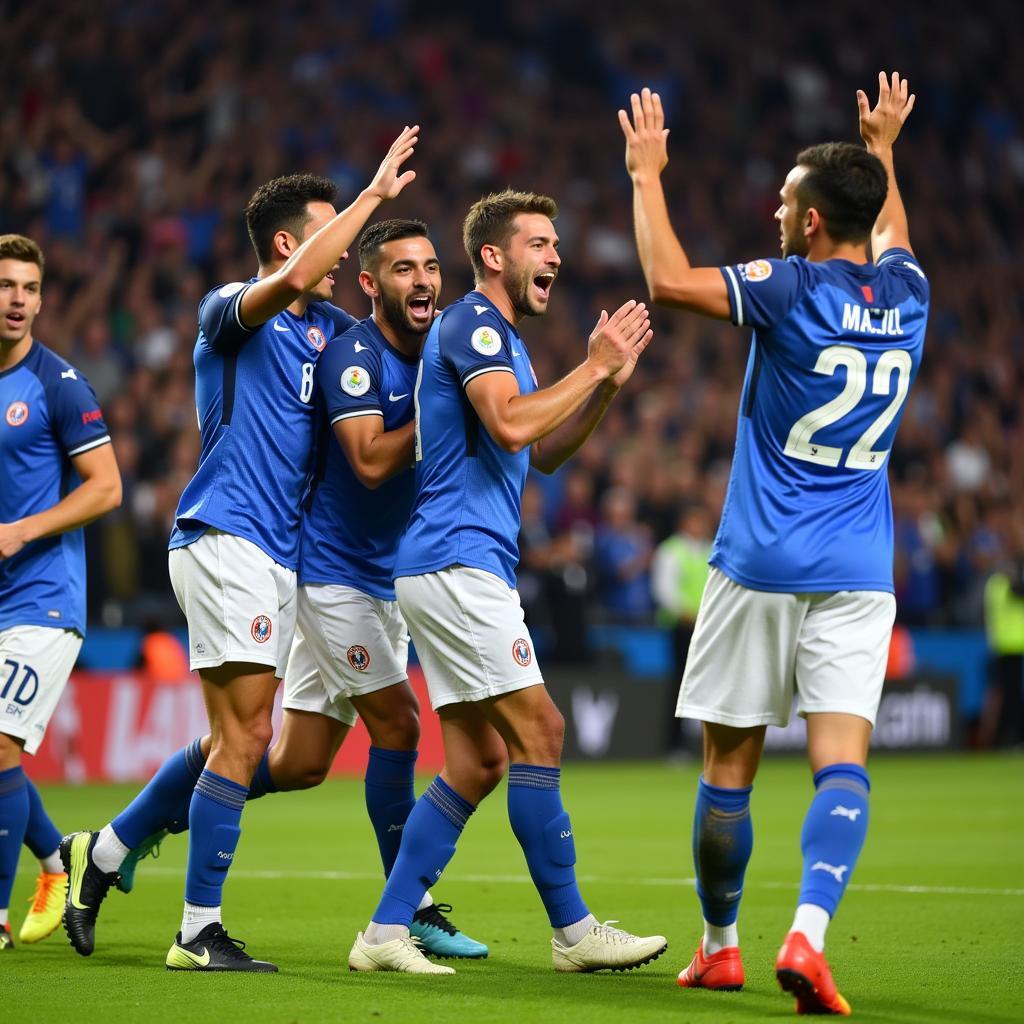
<point>390,798</point>
<point>428,843</point>
<point>544,832</point>
<point>164,800</point>
<point>14,805</point>
<point>723,838</point>
<point>213,820</point>
<point>262,781</point>
<point>41,835</point>
<point>833,833</point>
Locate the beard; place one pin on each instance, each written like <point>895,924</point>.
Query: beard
<point>518,281</point>
<point>396,313</point>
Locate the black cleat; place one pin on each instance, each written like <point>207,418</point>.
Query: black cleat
<point>6,938</point>
<point>87,887</point>
<point>214,950</point>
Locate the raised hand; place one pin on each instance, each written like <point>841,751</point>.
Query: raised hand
<point>387,182</point>
<point>620,378</point>
<point>614,338</point>
<point>880,127</point>
<point>646,135</point>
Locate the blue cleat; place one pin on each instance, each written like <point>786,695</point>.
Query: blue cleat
<point>149,847</point>
<point>439,937</point>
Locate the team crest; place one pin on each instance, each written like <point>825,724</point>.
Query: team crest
<point>355,381</point>
<point>521,652</point>
<point>261,629</point>
<point>316,338</point>
<point>486,341</point>
<point>757,270</point>
<point>359,658</point>
<point>17,414</point>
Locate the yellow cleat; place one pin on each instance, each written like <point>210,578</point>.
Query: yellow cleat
<point>47,907</point>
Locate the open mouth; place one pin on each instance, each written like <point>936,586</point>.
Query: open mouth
<point>14,320</point>
<point>421,307</point>
<point>542,284</point>
<point>329,278</point>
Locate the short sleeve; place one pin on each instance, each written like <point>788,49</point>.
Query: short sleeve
<point>75,413</point>
<point>904,264</point>
<point>474,341</point>
<point>220,318</point>
<point>348,374</point>
<point>762,292</point>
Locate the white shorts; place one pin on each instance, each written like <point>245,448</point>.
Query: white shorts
<point>35,662</point>
<point>470,634</point>
<point>239,603</point>
<point>347,644</point>
<point>751,649</point>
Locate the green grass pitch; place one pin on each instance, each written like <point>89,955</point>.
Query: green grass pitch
<point>932,928</point>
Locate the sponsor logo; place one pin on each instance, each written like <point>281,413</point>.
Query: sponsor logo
<point>187,960</point>
<point>836,872</point>
<point>17,414</point>
<point>360,347</point>
<point>395,828</point>
<point>756,270</point>
<point>397,398</point>
<point>91,416</point>
<point>53,614</point>
<point>278,327</point>
<point>358,657</point>
<point>68,374</point>
<point>845,812</point>
<point>200,647</point>
<point>355,381</point>
<point>480,309</point>
<point>566,833</point>
<point>514,352</point>
<point>225,856</point>
<point>521,652</point>
<point>261,629</point>
<point>316,338</point>
<point>486,341</point>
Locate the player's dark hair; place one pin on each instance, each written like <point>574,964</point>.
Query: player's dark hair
<point>491,221</point>
<point>281,205</point>
<point>18,247</point>
<point>846,184</point>
<point>384,231</point>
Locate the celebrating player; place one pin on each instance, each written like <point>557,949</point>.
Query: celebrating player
<point>351,645</point>
<point>800,594</point>
<point>479,423</point>
<point>234,547</point>
<point>58,473</point>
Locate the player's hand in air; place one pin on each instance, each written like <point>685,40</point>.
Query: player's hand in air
<point>646,135</point>
<point>12,539</point>
<point>617,340</point>
<point>880,127</point>
<point>387,182</point>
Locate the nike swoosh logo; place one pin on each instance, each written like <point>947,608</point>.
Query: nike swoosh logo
<point>79,854</point>
<point>199,961</point>
<point>361,348</point>
<point>514,352</point>
<point>278,327</point>
<point>395,398</point>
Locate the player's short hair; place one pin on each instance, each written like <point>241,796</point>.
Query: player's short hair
<point>491,221</point>
<point>18,247</point>
<point>846,184</point>
<point>281,205</point>
<point>384,231</point>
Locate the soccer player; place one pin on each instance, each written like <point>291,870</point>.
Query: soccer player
<point>800,593</point>
<point>234,547</point>
<point>350,650</point>
<point>57,473</point>
<point>480,422</point>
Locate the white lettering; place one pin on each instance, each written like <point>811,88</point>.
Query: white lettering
<point>858,318</point>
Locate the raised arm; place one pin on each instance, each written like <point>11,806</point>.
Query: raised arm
<point>879,128</point>
<point>670,278</point>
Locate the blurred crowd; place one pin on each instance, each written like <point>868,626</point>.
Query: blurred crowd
<point>134,134</point>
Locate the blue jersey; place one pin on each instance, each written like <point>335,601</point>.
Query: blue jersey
<point>468,488</point>
<point>254,397</point>
<point>50,415</point>
<point>349,533</point>
<point>836,347</point>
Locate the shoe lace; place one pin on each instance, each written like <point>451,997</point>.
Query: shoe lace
<point>613,934</point>
<point>412,950</point>
<point>232,948</point>
<point>434,915</point>
<point>45,888</point>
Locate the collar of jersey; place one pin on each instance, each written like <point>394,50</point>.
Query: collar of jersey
<point>23,361</point>
<point>379,336</point>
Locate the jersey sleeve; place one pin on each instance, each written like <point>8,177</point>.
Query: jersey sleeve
<point>75,413</point>
<point>220,318</point>
<point>904,264</point>
<point>338,318</point>
<point>474,343</point>
<point>349,379</point>
<point>762,292</point>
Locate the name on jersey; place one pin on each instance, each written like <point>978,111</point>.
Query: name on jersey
<point>871,321</point>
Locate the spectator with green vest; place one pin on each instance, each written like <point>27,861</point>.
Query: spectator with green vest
<point>1002,722</point>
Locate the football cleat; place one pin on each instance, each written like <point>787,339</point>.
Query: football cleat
<point>149,847</point>
<point>722,971</point>
<point>402,955</point>
<point>47,906</point>
<point>605,948</point>
<point>804,972</point>
<point>87,888</point>
<point>437,936</point>
<point>214,950</point>
<point>6,938</point>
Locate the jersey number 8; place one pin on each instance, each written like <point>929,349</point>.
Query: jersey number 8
<point>306,384</point>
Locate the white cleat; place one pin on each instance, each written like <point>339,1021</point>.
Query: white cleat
<point>604,948</point>
<point>397,955</point>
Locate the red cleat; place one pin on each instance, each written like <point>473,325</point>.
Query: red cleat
<point>806,974</point>
<point>722,971</point>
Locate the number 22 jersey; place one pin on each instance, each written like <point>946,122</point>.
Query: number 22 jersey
<point>836,347</point>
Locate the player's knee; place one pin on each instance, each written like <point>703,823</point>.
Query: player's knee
<point>543,742</point>
<point>309,776</point>
<point>10,752</point>
<point>492,771</point>
<point>399,731</point>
